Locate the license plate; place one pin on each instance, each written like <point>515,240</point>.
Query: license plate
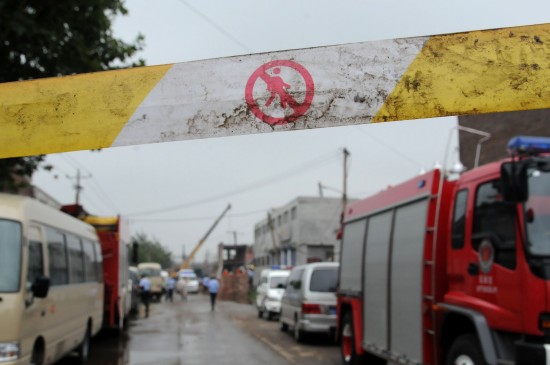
<point>332,310</point>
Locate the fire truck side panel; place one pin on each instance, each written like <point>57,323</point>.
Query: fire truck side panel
<point>394,280</point>
<point>407,251</point>
<point>375,309</point>
<point>350,290</point>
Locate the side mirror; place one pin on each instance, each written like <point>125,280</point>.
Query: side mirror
<point>40,287</point>
<point>513,178</point>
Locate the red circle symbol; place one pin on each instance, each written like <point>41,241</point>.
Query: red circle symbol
<point>279,92</point>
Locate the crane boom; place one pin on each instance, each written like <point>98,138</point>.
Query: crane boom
<point>187,262</point>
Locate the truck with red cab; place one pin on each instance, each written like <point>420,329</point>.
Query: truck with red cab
<point>441,270</point>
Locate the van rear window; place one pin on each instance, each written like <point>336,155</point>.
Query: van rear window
<point>324,280</point>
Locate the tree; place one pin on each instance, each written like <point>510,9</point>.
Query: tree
<point>150,250</point>
<point>54,38</point>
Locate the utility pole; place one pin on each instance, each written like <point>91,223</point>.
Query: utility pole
<point>320,189</point>
<point>345,187</point>
<point>78,187</point>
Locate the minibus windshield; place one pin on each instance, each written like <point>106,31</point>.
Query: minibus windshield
<point>10,259</point>
<point>537,213</point>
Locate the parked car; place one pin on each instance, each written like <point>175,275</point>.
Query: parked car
<point>190,280</point>
<point>269,292</point>
<point>309,300</point>
<point>134,282</point>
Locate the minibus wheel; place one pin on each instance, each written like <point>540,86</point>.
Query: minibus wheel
<point>37,356</point>
<point>84,348</point>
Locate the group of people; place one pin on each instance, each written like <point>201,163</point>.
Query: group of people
<point>211,285</point>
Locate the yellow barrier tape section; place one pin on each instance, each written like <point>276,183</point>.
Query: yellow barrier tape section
<point>475,73</point>
<point>71,113</point>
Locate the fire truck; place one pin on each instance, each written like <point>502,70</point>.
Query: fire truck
<point>441,270</point>
<point>114,240</point>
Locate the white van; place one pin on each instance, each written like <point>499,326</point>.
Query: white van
<point>270,292</point>
<point>51,283</point>
<point>309,300</point>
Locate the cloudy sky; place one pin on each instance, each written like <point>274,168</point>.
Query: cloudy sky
<point>174,191</point>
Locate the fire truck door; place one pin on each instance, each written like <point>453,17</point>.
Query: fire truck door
<point>492,257</point>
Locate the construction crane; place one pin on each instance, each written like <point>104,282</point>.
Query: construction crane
<point>187,262</point>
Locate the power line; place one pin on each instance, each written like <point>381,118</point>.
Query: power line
<point>96,187</point>
<point>177,220</point>
<point>246,188</point>
<point>394,150</point>
<point>215,25</point>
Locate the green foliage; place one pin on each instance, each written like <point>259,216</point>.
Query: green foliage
<point>150,250</point>
<point>52,38</point>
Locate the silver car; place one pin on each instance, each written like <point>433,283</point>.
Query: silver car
<point>309,301</point>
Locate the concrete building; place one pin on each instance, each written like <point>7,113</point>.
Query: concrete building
<point>304,230</point>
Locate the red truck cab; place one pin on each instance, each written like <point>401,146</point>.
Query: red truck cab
<point>451,271</point>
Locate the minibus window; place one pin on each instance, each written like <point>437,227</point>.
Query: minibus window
<point>57,252</point>
<point>10,259</point>
<point>35,265</point>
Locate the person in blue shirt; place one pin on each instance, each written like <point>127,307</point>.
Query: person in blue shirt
<point>205,281</point>
<point>145,290</point>
<point>170,285</point>
<point>213,287</point>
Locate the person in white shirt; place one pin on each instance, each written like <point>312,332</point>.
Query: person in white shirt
<point>145,290</point>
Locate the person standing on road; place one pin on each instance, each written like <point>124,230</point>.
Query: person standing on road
<point>213,287</point>
<point>145,290</point>
<point>170,285</point>
<point>205,281</point>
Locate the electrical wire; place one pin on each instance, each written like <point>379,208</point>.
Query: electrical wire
<point>215,25</point>
<point>321,160</point>
<point>178,220</point>
<point>95,186</point>
<point>394,150</point>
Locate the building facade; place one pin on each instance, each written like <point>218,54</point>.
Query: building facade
<point>304,230</point>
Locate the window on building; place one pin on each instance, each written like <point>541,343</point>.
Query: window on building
<point>293,213</point>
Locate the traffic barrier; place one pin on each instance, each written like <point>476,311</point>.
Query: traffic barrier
<point>464,73</point>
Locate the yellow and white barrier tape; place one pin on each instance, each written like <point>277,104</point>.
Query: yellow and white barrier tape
<point>465,73</point>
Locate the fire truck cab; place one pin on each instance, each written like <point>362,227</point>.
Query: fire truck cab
<point>441,271</point>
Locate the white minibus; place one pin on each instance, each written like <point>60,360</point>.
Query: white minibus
<point>51,290</point>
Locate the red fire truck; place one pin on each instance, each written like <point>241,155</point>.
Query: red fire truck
<point>451,271</point>
<point>114,240</point>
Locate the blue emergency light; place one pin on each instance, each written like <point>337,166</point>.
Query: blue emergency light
<point>528,145</point>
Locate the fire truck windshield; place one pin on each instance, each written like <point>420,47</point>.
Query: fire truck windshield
<point>537,212</point>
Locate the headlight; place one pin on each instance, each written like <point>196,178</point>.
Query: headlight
<point>9,351</point>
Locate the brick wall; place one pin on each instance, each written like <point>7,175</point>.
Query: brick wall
<point>502,127</point>
<point>234,287</point>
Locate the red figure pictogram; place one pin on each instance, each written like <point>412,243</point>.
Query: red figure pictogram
<point>276,86</point>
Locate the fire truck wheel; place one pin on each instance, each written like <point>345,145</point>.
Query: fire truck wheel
<point>465,350</point>
<point>347,337</point>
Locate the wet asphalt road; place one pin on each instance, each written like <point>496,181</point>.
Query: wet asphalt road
<point>189,333</point>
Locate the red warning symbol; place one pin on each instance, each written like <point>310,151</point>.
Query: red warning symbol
<point>279,92</point>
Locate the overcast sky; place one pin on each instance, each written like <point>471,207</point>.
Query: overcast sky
<point>174,191</point>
